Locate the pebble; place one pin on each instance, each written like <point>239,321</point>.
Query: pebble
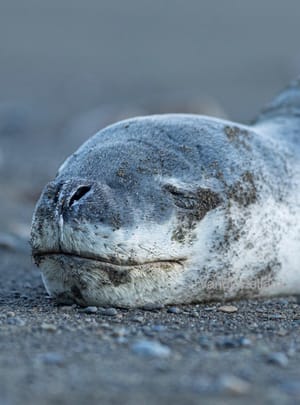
<point>174,310</point>
<point>139,319</point>
<point>227,343</point>
<point>121,331</point>
<point>233,342</point>
<point>51,358</point>
<point>206,343</point>
<point>229,309</point>
<point>108,311</point>
<point>90,310</point>
<point>276,316</point>
<point>49,327</point>
<point>245,342</point>
<point>158,328</point>
<point>208,309</point>
<point>16,321</point>
<point>234,385</point>
<point>152,307</point>
<point>122,340</point>
<point>278,358</point>
<point>10,314</point>
<point>282,332</point>
<point>149,348</point>
<point>105,325</point>
<point>66,308</point>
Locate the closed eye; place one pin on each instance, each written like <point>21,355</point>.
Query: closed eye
<point>199,200</point>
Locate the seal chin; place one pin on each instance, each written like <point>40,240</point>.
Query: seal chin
<point>89,280</point>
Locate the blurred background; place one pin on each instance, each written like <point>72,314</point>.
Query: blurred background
<point>68,68</point>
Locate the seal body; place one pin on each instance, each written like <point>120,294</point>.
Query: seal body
<point>176,209</point>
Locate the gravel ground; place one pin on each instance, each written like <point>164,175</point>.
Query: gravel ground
<point>220,353</point>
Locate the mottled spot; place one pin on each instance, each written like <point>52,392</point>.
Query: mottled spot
<point>199,201</point>
<point>263,278</point>
<point>193,205</point>
<point>118,277</point>
<point>76,292</point>
<point>121,172</point>
<point>244,191</point>
<point>237,135</point>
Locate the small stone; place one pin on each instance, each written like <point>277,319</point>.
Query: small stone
<point>49,327</point>
<point>276,316</point>
<point>90,310</point>
<point>180,335</point>
<point>174,310</point>
<point>234,385</point>
<point>152,307</point>
<point>282,332</point>
<point>16,321</point>
<point>27,285</point>
<point>278,358</point>
<point>244,342</point>
<point>206,343</point>
<point>283,301</point>
<point>51,358</point>
<point>229,309</point>
<point>120,332</point>
<point>147,331</point>
<point>194,314</point>
<point>227,343</point>
<point>122,340</point>
<point>106,326</point>
<point>10,314</point>
<point>208,309</point>
<point>139,319</point>
<point>66,308</point>
<point>149,348</point>
<point>108,311</point>
<point>158,328</point>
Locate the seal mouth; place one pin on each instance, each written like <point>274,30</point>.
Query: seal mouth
<point>112,262</point>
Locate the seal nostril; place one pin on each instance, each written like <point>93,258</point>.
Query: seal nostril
<point>79,193</point>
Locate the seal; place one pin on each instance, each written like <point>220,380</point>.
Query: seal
<point>170,209</point>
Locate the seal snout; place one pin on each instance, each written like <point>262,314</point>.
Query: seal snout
<point>70,194</point>
<point>80,192</point>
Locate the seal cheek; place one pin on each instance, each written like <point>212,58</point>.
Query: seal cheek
<point>117,277</point>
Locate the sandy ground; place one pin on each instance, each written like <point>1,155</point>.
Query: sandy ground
<point>68,69</point>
